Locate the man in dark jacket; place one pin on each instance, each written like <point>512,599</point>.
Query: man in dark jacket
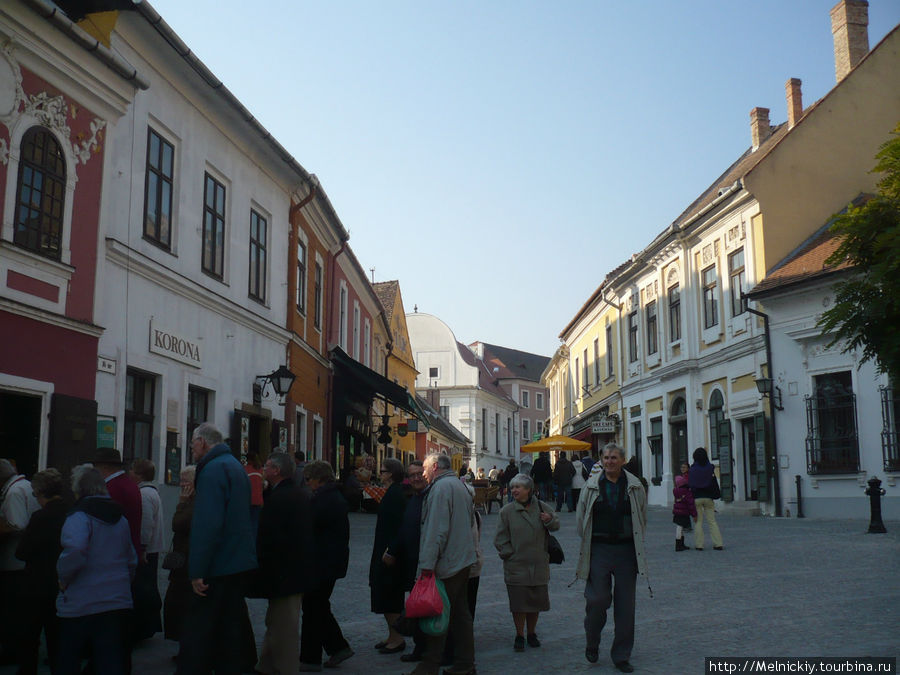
<point>562,476</point>
<point>222,551</point>
<point>404,549</point>
<point>284,548</point>
<point>510,472</point>
<point>331,541</point>
<point>542,473</point>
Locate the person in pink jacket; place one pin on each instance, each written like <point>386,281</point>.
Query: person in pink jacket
<point>683,510</point>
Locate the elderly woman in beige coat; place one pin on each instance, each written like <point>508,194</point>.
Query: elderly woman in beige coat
<point>521,541</point>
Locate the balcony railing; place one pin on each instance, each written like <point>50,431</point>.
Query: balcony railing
<point>890,438</point>
<point>832,444</point>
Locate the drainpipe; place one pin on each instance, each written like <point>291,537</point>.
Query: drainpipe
<point>329,310</point>
<point>387,355</point>
<point>776,483</point>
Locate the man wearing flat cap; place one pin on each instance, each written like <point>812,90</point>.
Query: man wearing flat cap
<point>122,490</point>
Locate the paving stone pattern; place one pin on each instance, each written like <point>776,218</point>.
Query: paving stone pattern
<point>781,587</point>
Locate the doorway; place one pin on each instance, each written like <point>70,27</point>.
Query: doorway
<point>678,434</point>
<point>20,431</point>
<point>748,445</point>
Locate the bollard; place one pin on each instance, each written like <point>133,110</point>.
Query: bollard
<point>875,492</point>
<point>799,503</point>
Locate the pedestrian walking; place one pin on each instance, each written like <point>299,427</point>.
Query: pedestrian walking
<point>216,633</point>
<point>179,591</point>
<point>611,520</point>
<point>147,602</point>
<point>386,582</point>
<point>39,549</point>
<point>542,473</point>
<point>17,504</point>
<point>705,486</point>
<point>331,545</point>
<point>563,474</point>
<point>683,510</point>
<point>510,472</point>
<point>579,478</point>
<point>521,541</point>
<point>95,571</point>
<point>447,550</point>
<point>284,550</point>
<point>403,551</point>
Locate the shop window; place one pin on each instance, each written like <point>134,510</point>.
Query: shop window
<point>140,401</point>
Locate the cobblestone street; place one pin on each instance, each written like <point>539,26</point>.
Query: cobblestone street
<point>782,587</point>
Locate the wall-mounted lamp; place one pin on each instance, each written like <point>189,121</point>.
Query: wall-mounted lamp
<point>767,388</point>
<point>281,381</point>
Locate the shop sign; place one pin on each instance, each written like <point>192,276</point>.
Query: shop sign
<point>604,425</point>
<point>174,346</point>
<point>106,433</point>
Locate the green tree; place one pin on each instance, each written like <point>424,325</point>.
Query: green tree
<point>866,311</point>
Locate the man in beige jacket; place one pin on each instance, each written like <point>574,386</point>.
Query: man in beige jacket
<point>611,519</point>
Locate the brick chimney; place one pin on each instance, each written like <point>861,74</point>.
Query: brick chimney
<point>759,126</point>
<point>794,101</point>
<point>849,25</point>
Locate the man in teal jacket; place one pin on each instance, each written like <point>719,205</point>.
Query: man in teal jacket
<point>222,550</point>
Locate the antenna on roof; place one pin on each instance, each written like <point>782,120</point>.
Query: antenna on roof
<point>372,270</point>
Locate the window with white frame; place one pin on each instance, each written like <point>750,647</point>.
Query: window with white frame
<point>738,280</point>
<point>524,398</point>
<point>609,351</point>
<point>710,301</point>
<point>213,257</point>
<point>539,400</point>
<point>526,435</point>
<point>158,187</point>
<point>41,194</point>
<point>318,280</point>
<point>652,339</point>
<point>433,373</point>
<point>633,337</point>
<point>540,427</point>
<point>597,361</point>
<point>301,443</point>
<point>301,276</point>
<point>317,438</point>
<point>342,317</point>
<point>356,317</point>
<point>577,378</point>
<point>585,374</point>
<point>674,313</point>
<point>367,343</point>
<point>258,234</point>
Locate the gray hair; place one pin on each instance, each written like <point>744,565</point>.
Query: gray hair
<point>209,433</point>
<point>612,447</point>
<point>284,463</point>
<point>47,483</point>
<point>7,470</point>
<point>318,470</point>
<point>524,480</point>
<point>189,471</point>
<point>87,482</point>
<point>440,460</point>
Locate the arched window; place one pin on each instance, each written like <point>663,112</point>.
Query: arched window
<point>40,194</point>
<point>716,415</point>
<point>679,407</point>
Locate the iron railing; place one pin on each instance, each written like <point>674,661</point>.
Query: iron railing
<point>890,437</point>
<point>832,442</point>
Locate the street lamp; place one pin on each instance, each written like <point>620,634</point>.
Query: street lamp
<point>767,388</point>
<point>281,380</point>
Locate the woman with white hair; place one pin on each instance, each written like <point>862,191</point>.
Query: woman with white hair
<point>521,541</point>
<point>95,570</point>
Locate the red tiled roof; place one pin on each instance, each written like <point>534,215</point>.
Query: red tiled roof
<point>804,264</point>
<point>387,293</point>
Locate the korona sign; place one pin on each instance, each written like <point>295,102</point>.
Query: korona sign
<point>166,342</point>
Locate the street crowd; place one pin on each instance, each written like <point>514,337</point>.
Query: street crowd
<point>85,573</point>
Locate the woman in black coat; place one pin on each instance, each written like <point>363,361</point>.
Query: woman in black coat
<point>331,547</point>
<point>179,592</point>
<point>386,582</point>
<point>39,547</point>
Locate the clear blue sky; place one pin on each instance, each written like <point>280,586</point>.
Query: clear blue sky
<point>498,158</point>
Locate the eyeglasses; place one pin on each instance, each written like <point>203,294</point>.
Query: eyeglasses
<point>385,471</point>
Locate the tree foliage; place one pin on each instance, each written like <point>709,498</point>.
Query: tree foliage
<point>866,311</point>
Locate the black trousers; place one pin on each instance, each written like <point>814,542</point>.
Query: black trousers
<point>105,635</point>
<point>319,629</point>
<point>216,630</point>
<point>38,615</point>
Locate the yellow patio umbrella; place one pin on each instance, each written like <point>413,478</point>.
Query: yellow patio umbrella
<point>555,443</point>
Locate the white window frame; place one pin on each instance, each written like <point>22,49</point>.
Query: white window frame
<point>367,343</point>
<point>342,316</point>
<point>523,395</point>
<point>356,326</point>
<point>538,400</point>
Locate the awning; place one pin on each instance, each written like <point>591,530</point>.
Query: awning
<point>368,384</point>
<point>583,435</point>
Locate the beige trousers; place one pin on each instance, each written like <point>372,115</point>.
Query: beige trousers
<point>706,509</point>
<point>280,653</point>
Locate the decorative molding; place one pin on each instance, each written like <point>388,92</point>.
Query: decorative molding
<point>674,275</point>
<point>651,291</point>
<point>707,254</point>
<point>49,111</point>
<point>89,146</point>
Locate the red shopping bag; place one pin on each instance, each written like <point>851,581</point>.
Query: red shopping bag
<point>424,599</point>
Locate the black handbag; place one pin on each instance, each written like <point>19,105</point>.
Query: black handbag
<point>714,487</point>
<point>174,560</point>
<point>554,548</point>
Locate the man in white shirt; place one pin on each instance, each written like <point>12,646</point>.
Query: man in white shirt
<point>17,503</point>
